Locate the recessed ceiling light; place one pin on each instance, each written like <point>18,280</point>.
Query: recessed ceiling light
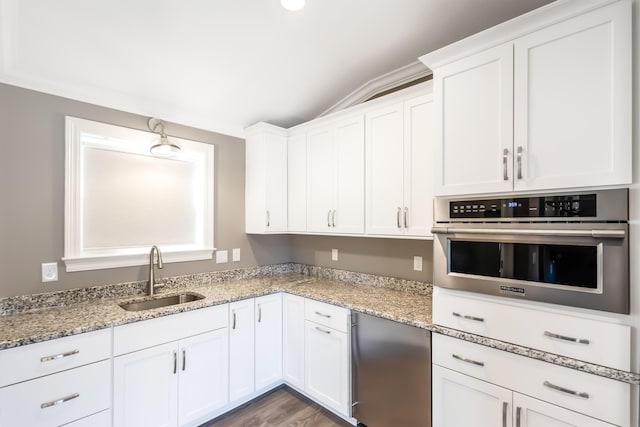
<point>292,4</point>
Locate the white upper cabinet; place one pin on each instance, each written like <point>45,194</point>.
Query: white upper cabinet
<point>266,179</point>
<point>398,177</point>
<point>297,181</point>
<point>548,107</point>
<point>335,176</point>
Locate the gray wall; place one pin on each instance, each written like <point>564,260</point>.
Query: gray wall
<point>32,206</point>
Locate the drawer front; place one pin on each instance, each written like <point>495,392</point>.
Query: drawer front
<point>36,360</point>
<point>101,419</point>
<point>148,333</point>
<point>57,399</point>
<point>326,314</point>
<point>598,397</point>
<point>594,341</point>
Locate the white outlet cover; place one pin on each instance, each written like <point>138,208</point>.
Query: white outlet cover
<point>236,254</point>
<point>417,263</point>
<point>222,257</point>
<point>49,272</point>
<point>334,254</point>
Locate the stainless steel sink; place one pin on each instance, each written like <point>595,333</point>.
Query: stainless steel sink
<point>160,302</point>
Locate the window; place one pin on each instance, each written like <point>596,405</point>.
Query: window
<point>121,200</point>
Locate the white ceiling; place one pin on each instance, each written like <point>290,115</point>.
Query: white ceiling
<point>222,65</point>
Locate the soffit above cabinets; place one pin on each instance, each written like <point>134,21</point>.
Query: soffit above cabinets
<point>223,65</point>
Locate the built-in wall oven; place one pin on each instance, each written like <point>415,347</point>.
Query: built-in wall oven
<point>569,249</point>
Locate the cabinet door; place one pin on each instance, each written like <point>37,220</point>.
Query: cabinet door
<point>145,385</point>
<point>530,412</point>
<point>573,102</point>
<point>474,103</point>
<point>327,366</point>
<point>320,176</point>
<point>268,330</point>
<point>348,215</point>
<point>204,375</point>
<point>297,182</point>
<point>241,349</point>
<point>460,400</point>
<point>419,131</point>
<point>385,170</point>
<point>276,182</point>
<point>293,340</point>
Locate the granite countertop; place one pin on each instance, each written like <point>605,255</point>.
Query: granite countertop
<point>402,301</point>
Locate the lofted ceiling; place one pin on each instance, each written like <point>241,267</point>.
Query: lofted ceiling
<point>222,65</point>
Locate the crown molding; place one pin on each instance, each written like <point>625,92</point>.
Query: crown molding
<point>395,78</point>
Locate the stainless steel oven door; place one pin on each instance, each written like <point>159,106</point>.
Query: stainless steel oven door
<point>579,264</point>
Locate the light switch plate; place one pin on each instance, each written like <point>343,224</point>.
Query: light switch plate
<point>222,257</point>
<point>49,272</point>
<point>236,254</point>
<point>417,263</point>
<point>334,254</point>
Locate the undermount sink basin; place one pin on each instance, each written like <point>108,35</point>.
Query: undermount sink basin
<point>160,302</point>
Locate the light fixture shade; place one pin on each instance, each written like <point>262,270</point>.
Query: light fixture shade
<point>165,148</point>
<point>292,4</point>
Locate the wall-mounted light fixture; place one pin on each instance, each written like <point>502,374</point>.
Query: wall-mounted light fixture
<point>292,4</point>
<point>164,147</point>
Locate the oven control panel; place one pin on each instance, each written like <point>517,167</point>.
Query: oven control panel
<point>558,206</point>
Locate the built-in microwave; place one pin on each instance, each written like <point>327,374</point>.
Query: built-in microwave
<point>569,249</point>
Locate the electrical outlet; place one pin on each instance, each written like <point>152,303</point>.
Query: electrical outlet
<point>417,263</point>
<point>49,272</point>
<point>334,254</point>
<point>222,257</point>
<point>236,254</point>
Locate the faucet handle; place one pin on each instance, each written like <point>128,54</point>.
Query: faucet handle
<point>159,285</point>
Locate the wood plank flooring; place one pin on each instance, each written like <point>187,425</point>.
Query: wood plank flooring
<point>280,408</point>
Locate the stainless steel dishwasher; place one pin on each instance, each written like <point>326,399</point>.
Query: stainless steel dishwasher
<point>390,373</point>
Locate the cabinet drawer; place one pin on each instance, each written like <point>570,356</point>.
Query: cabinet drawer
<point>604,399</point>
<point>594,341</point>
<point>326,314</point>
<point>44,358</point>
<point>57,399</point>
<point>101,419</point>
<point>145,334</point>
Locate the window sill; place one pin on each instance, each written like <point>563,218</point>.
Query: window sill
<point>115,261</point>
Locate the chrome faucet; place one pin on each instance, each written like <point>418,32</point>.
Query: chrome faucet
<point>151,286</point>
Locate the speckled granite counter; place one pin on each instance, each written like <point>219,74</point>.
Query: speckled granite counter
<point>73,312</point>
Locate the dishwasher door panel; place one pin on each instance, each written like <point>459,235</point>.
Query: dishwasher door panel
<point>391,373</point>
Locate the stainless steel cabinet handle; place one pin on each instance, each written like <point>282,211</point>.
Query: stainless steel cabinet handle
<point>566,390</point>
<point>268,219</point>
<point>259,313</point>
<point>518,415</point>
<point>463,359</point>
<point>398,217</point>
<point>184,359</point>
<point>234,321</point>
<point>566,338</point>
<point>175,362</point>
<point>60,401</point>
<point>519,162</point>
<point>406,209</point>
<point>59,356</point>
<point>505,158</point>
<point>464,316</point>
<point>329,218</point>
<point>333,218</point>
<point>328,316</point>
<point>505,406</point>
<point>323,330</point>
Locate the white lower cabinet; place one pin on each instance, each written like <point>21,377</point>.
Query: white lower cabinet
<point>268,340</point>
<point>293,340</point>
<point>461,400</point>
<point>241,349</point>
<point>496,388</point>
<point>181,381</point>
<point>327,358</point>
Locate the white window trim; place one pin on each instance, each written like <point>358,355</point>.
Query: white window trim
<point>77,259</point>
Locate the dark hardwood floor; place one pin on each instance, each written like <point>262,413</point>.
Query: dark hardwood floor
<point>281,408</point>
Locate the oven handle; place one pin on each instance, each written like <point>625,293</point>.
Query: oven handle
<point>598,234</point>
